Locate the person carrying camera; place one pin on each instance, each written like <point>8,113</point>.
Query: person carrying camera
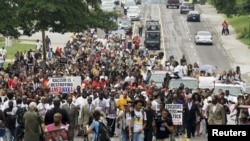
<point>163,127</point>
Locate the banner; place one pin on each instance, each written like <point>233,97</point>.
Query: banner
<point>56,135</point>
<point>176,112</point>
<point>64,84</point>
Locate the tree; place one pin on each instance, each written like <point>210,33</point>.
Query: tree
<point>227,7</point>
<point>8,18</point>
<point>243,7</point>
<point>58,16</point>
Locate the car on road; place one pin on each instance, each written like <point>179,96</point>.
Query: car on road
<point>107,8</point>
<point>124,23</point>
<point>108,5</point>
<point>189,82</point>
<point>129,3</point>
<point>133,14</point>
<point>173,3</point>
<point>118,34</point>
<point>203,37</point>
<point>185,7</point>
<point>138,1</point>
<point>134,8</point>
<point>193,16</point>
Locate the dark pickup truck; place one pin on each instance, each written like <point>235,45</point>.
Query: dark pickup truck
<point>173,3</point>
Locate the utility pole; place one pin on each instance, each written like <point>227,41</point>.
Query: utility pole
<point>44,45</point>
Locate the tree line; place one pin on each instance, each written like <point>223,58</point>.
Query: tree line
<point>232,7</point>
<point>30,16</point>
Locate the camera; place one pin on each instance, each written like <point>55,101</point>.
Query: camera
<point>157,116</point>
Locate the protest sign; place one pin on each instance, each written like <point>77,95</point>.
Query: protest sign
<point>56,135</point>
<point>176,112</point>
<point>64,84</point>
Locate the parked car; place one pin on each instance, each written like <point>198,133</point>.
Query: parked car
<point>185,7</point>
<point>133,14</point>
<point>203,37</point>
<point>193,16</point>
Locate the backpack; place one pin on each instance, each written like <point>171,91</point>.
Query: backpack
<point>104,133</point>
<point>19,114</point>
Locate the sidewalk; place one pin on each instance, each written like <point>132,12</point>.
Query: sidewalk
<point>236,50</point>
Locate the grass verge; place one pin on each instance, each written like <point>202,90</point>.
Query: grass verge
<point>17,46</point>
<point>241,25</point>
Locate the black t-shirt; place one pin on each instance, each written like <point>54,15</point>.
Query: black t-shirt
<point>49,116</point>
<point>161,130</point>
<point>150,117</point>
<point>9,118</point>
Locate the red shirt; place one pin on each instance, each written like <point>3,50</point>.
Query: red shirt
<point>95,84</point>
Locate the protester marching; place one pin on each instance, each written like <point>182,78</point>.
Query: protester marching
<point>100,86</point>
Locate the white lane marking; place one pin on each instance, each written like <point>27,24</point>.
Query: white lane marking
<point>162,33</point>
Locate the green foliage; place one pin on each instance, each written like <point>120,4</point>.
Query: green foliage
<point>55,15</point>
<point>232,7</point>
<point>8,18</point>
<point>242,28</point>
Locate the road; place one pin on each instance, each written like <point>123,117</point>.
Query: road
<point>178,36</point>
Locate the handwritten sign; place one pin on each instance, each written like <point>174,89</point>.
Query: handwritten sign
<point>176,112</point>
<point>64,84</point>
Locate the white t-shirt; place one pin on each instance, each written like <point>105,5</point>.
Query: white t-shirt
<point>80,101</point>
<point>41,108</point>
<point>179,70</point>
<point>155,105</point>
<point>6,104</point>
<point>204,108</point>
<point>138,120</point>
<point>39,45</point>
<point>101,103</point>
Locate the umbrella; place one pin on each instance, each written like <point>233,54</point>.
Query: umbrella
<point>208,68</point>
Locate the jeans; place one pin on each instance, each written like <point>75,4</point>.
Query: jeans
<point>111,124</point>
<point>19,133</point>
<point>9,134</point>
<point>138,136</point>
<point>125,136</point>
<point>1,65</point>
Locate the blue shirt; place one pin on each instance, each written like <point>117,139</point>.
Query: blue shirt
<point>95,127</point>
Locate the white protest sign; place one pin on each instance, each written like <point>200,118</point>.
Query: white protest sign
<point>64,84</point>
<point>206,82</point>
<point>176,112</point>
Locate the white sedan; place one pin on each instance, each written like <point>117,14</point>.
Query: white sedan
<point>203,37</point>
<point>133,14</point>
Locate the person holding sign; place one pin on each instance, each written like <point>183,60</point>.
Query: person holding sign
<point>163,127</point>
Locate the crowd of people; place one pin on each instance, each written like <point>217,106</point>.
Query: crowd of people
<point>113,90</point>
